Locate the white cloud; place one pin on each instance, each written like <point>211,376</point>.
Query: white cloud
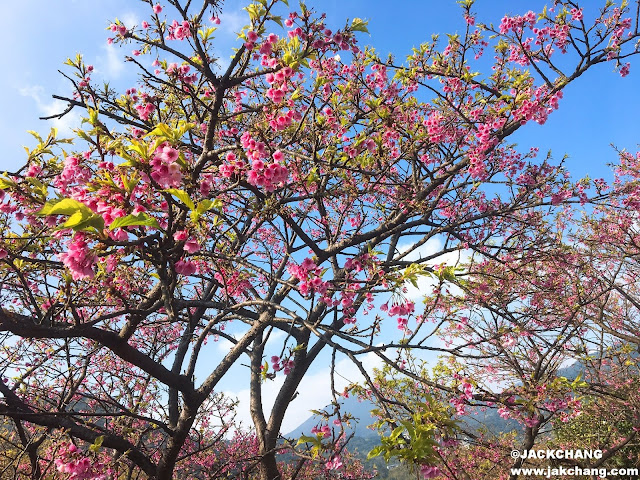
<point>223,345</point>
<point>111,65</point>
<point>67,123</point>
<point>130,20</point>
<point>314,391</point>
<point>431,251</point>
<point>232,21</point>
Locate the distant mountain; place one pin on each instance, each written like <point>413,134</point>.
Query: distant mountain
<point>359,409</point>
<point>475,419</point>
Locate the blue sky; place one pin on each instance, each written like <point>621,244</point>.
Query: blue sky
<point>597,111</point>
<point>39,35</point>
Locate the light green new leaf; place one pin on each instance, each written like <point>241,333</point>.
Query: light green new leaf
<point>80,216</point>
<point>359,25</point>
<point>65,206</point>
<point>182,196</point>
<point>4,183</point>
<point>161,130</point>
<point>95,447</point>
<point>93,223</point>
<point>74,220</point>
<point>134,220</point>
<point>375,452</point>
<point>306,439</point>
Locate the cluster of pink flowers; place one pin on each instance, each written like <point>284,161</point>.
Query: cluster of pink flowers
<point>73,172</point>
<point>179,30</point>
<point>190,245</point>
<point>270,176</point>
<point>79,467</point>
<point>33,170</point>
<point>284,364</point>
<point>267,46</point>
<point>576,14</point>
<point>186,267</point>
<point>357,147</point>
<point>556,404</point>
<point>233,281</point>
<point>334,463</point>
<point>435,127</point>
<point>624,70</point>
<point>284,120</point>
<point>310,276</point>
<point>182,72</point>
<point>119,29</point>
<point>252,38</point>
<point>144,110</point>
<point>517,23</point>
<point>485,141</point>
<point>620,25</point>
<point>504,412</point>
<point>108,212</point>
<point>557,34</point>
<point>538,107</point>
<point>402,310</point>
<point>262,174</point>
<point>78,258</point>
<point>429,471</point>
<point>325,431</point>
<point>165,169</point>
<point>233,166</point>
<point>353,264</point>
<point>467,390</point>
<point>255,150</point>
<point>279,82</point>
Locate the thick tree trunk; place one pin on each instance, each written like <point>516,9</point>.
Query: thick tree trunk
<point>268,465</point>
<point>167,463</point>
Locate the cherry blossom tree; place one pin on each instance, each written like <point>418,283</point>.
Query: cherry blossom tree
<point>282,195</point>
<point>547,338</point>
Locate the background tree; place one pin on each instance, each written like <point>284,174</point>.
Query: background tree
<point>277,195</point>
<point>545,337</point>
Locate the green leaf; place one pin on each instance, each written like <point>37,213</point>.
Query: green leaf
<point>94,223</point>
<point>80,216</point>
<point>359,25</point>
<point>129,184</point>
<point>74,220</point>
<point>66,206</point>
<point>182,196</point>
<point>4,183</point>
<point>312,177</point>
<point>134,220</point>
<point>161,130</point>
<point>95,447</point>
<point>141,148</point>
<point>93,116</point>
<point>396,433</point>
<point>204,206</point>
<point>307,439</point>
<point>376,451</point>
